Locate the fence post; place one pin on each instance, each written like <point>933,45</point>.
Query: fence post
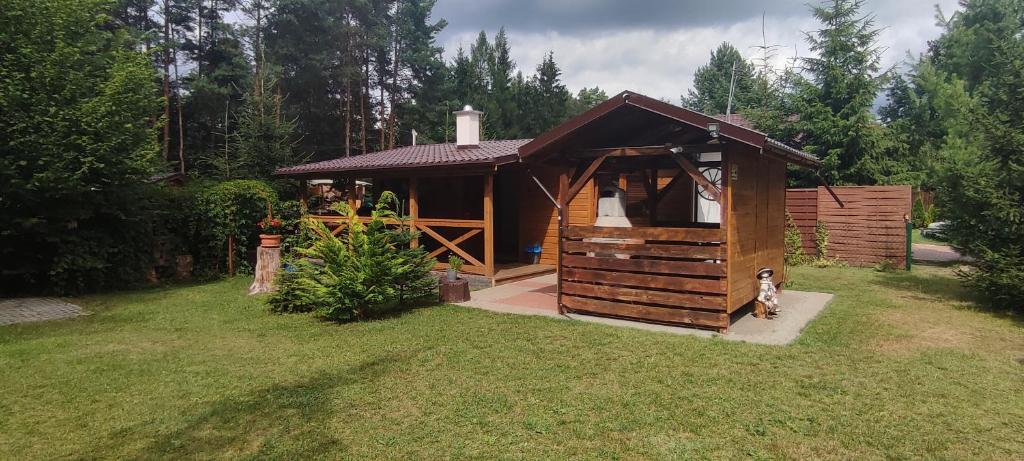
<point>910,244</point>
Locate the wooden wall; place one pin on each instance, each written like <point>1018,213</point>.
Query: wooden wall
<point>673,276</point>
<point>538,217</point>
<point>867,230</point>
<point>755,194</point>
<point>802,205</point>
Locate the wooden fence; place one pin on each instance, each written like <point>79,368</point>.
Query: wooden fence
<point>866,230</point>
<point>674,275</point>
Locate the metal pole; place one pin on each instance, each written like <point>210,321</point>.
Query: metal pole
<point>910,244</point>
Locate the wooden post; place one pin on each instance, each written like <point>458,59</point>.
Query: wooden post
<point>231,255</point>
<point>414,209</point>
<point>350,195</point>
<point>563,222</point>
<point>489,224</point>
<point>652,196</point>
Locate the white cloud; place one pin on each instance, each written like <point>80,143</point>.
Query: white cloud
<point>660,61</point>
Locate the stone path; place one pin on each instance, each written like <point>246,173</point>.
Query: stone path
<point>21,310</point>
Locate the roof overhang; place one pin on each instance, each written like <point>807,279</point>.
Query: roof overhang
<point>551,141</point>
<point>404,170</point>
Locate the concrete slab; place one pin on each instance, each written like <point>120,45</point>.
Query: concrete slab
<point>538,297</point>
<point>22,310</point>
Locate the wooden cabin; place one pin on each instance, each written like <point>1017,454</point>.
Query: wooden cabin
<point>704,198</point>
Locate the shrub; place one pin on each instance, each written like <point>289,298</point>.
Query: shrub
<point>821,239</point>
<point>225,210</point>
<point>364,271</point>
<point>77,142</point>
<point>998,276</point>
<point>795,255</point>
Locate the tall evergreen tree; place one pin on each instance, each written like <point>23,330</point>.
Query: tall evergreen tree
<point>834,102</point>
<point>712,82</point>
<point>981,181</point>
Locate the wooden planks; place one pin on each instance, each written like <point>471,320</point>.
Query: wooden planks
<point>866,230</point>
<point>677,234</point>
<point>679,279</point>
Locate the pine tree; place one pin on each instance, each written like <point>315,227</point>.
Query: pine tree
<point>712,81</point>
<point>834,102</point>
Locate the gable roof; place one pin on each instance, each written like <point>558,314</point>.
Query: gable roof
<point>487,154</point>
<point>600,120</point>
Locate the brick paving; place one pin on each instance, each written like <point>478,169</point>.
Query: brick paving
<point>21,310</point>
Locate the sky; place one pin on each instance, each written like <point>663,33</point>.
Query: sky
<point>654,46</point>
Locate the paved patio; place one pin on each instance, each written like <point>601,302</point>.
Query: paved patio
<point>537,296</point>
<point>22,310</point>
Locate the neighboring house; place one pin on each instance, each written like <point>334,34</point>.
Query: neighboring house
<point>705,198</point>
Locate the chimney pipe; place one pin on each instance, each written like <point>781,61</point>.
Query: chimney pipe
<point>467,127</point>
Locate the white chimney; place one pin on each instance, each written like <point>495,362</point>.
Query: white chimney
<point>467,127</point>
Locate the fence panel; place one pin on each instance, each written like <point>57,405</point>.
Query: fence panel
<point>866,230</point>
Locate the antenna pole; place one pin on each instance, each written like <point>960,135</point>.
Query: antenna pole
<point>732,89</point>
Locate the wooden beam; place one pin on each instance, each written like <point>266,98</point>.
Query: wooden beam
<point>584,178</point>
<point>639,151</point>
<point>563,223</point>
<point>451,246</point>
<point>489,225</point>
<point>651,184</point>
<point>414,208</point>
<point>462,238</point>
<point>829,189</point>
<point>698,177</point>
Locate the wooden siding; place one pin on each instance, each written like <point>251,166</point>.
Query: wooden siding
<point>867,230</point>
<point>667,279</point>
<point>538,217</point>
<point>802,205</point>
<point>755,188</point>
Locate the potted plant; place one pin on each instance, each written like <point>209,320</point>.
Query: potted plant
<point>454,266</point>
<point>270,232</point>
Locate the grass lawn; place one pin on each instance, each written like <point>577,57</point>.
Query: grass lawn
<point>899,366</point>
<point>916,237</point>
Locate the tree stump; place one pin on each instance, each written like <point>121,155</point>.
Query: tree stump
<point>760,310</point>
<point>454,292</point>
<point>268,260</point>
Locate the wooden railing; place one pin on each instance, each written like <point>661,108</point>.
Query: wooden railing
<point>430,228</point>
<point>668,275</point>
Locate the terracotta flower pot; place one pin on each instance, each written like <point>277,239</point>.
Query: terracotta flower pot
<point>270,241</point>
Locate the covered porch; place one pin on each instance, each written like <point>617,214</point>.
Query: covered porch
<point>469,208</point>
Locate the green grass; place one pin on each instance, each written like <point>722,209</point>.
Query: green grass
<point>916,237</point>
<point>899,366</point>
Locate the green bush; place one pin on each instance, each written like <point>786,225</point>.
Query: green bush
<point>999,277</point>
<point>228,209</point>
<point>795,255</point>
<point>365,271</point>
<point>77,142</point>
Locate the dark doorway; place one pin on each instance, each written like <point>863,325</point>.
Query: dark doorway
<point>506,214</point>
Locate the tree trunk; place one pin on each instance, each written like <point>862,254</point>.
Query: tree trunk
<point>364,95</point>
<point>392,128</point>
<point>268,260</point>
<point>181,120</point>
<point>167,80</point>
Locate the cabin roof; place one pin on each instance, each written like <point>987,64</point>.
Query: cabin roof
<point>632,119</point>
<point>627,119</point>
<point>487,154</point>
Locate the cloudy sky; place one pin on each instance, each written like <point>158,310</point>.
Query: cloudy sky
<point>654,46</point>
